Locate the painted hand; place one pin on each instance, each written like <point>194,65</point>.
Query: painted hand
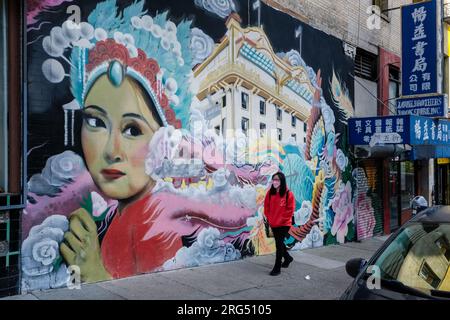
<point>82,248</point>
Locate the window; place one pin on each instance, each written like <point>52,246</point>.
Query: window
<point>294,121</point>
<point>394,88</point>
<point>366,65</point>
<point>262,129</point>
<point>245,99</point>
<point>279,113</point>
<point>217,130</point>
<point>407,186</point>
<point>294,136</point>
<point>244,125</point>
<point>427,274</point>
<point>262,107</point>
<point>3,101</point>
<point>305,127</point>
<point>224,101</point>
<point>280,134</point>
<point>304,139</point>
<point>401,189</point>
<point>444,247</point>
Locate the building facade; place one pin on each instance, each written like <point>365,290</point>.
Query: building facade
<point>372,33</point>
<point>373,28</point>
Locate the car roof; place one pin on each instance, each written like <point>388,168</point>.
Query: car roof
<point>440,214</point>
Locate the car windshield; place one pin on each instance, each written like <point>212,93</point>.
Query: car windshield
<point>419,257</point>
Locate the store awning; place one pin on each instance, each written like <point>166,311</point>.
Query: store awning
<point>428,138</point>
<point>430,152</point>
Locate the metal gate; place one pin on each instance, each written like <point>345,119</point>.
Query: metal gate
<point>368,198</point>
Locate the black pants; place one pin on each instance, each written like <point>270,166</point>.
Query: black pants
<point>280,234</point>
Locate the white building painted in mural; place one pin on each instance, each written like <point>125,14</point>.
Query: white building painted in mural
<point>245,85</point>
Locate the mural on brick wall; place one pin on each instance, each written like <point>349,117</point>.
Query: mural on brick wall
<point>126,174</point>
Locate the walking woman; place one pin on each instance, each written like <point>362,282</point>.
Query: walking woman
<point>279,206</point>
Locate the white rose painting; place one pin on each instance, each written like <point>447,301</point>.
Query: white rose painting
<point>41,259</point>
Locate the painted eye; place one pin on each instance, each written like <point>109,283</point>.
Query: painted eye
<point>95,122</point>
<point>132,131</point>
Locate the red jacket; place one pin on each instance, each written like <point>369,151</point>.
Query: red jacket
<point>279,212</point>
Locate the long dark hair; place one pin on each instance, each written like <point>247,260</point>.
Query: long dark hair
<point>283,185</point>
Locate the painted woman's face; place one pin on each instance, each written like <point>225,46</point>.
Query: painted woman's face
<point>117,128</point>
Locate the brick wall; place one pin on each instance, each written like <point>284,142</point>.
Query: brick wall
<point>347,20</point>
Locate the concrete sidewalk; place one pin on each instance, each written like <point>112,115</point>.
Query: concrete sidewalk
<point>316,274</point>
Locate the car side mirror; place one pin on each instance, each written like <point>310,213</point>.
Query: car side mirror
<point>354,266</point>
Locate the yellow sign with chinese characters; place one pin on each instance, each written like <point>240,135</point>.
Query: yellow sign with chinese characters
<point>447,40</point>
<point>443,161</point>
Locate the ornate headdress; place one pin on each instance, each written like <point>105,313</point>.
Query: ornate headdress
<point>152,50</point>
<point>112,58</point>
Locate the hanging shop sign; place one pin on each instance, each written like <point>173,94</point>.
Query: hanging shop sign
<point>401,129</point>
<point>430,106</point>
<point>419,49</point>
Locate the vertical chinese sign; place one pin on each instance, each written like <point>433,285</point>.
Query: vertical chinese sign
<point>419,52</point>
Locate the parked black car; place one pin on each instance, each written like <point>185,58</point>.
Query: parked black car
<point>412,264</point>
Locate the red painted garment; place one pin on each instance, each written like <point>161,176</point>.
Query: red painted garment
<point>278,211</point>
<point>128,250</point>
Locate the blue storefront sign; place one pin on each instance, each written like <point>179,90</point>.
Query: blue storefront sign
<point>362,130</point>
<point>431,106</point>
<point>419,49</point>
<point>425,131</point>
<point>404,129</point>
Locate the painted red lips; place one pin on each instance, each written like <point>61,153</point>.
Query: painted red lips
<point>112,174</point>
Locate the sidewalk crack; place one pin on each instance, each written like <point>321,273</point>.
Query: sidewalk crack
<point>113,293</point>
<point>239,291</point>
<point>189,286</point>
